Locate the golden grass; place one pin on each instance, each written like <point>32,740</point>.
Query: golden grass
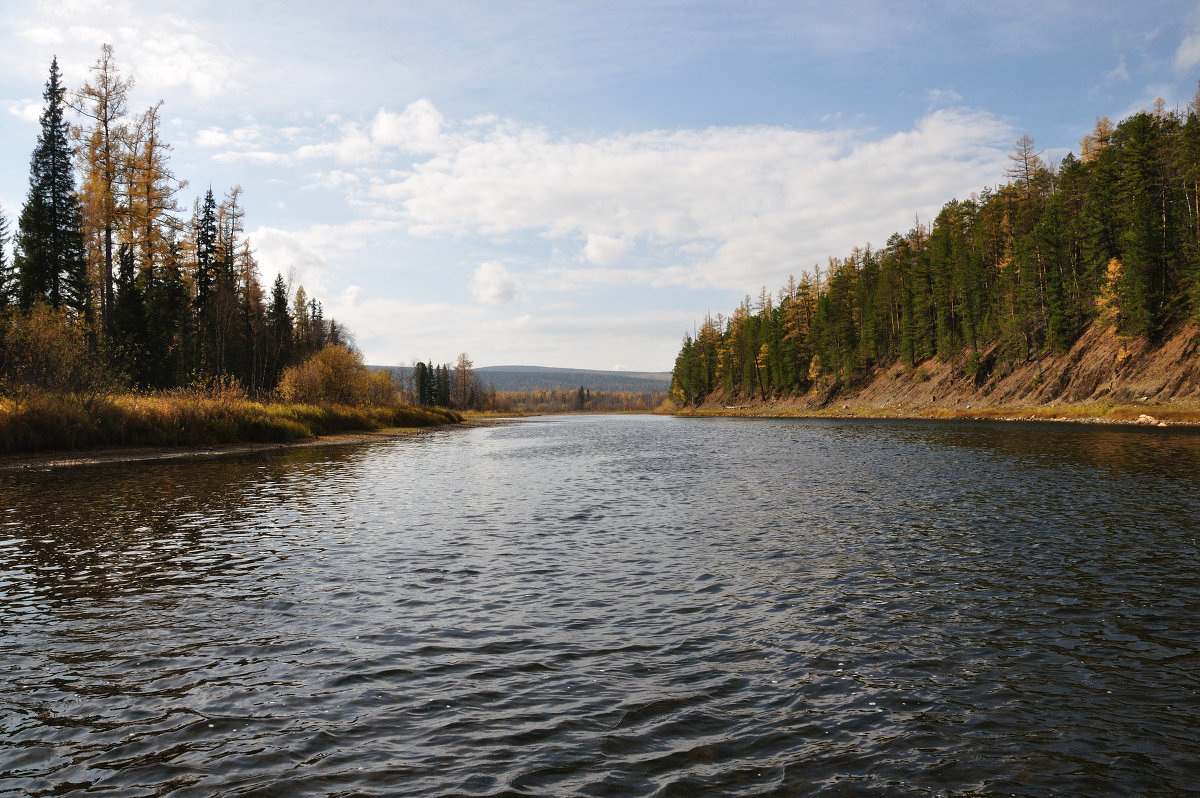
<point>46,422</point>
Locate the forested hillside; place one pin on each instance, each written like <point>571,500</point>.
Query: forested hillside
<point>1003,278</point>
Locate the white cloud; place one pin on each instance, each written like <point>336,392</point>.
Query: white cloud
<point>416,130</point>
<point>1188,54</point>
<point>29,110</point>
<point>492,284</point>
<point>602,249</point>
<point>760,200</point>
<point>42,36</point>
<point>253,156</point>
<point>166,51</point>
<point>297,256</point>
<point>943,96</point>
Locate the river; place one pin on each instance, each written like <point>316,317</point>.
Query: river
<point>619,605</point>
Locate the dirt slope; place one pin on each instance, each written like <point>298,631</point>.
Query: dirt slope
<point>1100,368</point>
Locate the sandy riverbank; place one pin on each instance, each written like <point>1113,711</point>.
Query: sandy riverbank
<point>1137,415</point>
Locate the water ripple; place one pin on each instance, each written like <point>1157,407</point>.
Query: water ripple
<point>612,606</point>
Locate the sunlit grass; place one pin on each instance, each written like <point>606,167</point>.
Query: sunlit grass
<point>45,422</point>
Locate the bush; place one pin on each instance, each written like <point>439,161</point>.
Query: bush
<point>336,375</point>
<point>46,350</point>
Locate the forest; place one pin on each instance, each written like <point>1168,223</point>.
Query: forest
<point>159,299</point>
<point>126,319</point>
<point>1014,272</point>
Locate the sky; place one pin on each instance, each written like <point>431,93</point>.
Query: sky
<point>576,184</point>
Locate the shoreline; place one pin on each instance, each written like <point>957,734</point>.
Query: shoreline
<point>1140,416</point>
<point>136,454</point>
<point>1120,415</point>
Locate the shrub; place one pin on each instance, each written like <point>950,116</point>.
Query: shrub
<point>47,350</point>
<point>336,375</point>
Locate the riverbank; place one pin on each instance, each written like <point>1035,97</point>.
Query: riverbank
<point>1140,415</point>
<point>1103,378</point>
<point>186,422</point>
<point>62,459</point>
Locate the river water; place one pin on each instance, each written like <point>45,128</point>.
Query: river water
<point>615,605</point>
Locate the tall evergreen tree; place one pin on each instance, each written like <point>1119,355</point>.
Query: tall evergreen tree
<point>128,322</point>
<point>8,275</point>
<point>50,256</point>
<point>279,332</point>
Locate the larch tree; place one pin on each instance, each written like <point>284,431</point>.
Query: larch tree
<point>1027,164</point>
<point>464,376</point>
<point>151,191</point>
<point>50,253</point>
<point>103,141</point>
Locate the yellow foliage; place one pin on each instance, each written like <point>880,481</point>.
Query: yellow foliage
<point>46,349</point>
<point>814,368</point>
<point>336,375</point>
<point>1112,277</point>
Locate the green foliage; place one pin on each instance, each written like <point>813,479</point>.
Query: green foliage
<point>1024,267</point>
<point>49,260</point>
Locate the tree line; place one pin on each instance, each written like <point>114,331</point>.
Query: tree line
<point>158,297</point>
<point>456,387</point>
<point>1011,274</point>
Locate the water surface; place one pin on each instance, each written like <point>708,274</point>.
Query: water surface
<point>613,606</point>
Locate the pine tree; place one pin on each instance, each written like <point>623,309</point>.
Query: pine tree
<point>50,255</point>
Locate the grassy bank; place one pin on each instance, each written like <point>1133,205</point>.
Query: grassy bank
<point>48,422</point>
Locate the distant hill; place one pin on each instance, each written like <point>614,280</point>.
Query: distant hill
<point>535,378</point>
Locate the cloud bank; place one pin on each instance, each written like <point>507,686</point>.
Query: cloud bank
<point>723,207</point>
<point>733,205</point>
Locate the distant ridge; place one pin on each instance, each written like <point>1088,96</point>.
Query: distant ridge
<point>548,378</point>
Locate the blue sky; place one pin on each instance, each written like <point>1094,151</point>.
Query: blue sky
<point>574,183</point>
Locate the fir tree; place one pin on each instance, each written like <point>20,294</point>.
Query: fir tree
<point>8,275</point>
<point>129,317</point>
<point>50,253</point>
<point>279,332</point>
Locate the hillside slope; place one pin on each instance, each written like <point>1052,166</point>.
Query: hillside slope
<point>1101,368</point>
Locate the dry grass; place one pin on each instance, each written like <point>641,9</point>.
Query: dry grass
<point>46,422</point>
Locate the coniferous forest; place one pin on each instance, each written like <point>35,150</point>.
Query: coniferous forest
<point>1017,273</point>
<point>125,318</point>
<point>161,298</point>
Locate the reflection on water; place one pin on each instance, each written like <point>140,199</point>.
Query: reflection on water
<point>613,606</point>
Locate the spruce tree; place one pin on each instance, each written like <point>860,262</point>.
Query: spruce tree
<point>279,332</point>
<point>49,257</point>
<point>129,318</point>
<point>8,275</point>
